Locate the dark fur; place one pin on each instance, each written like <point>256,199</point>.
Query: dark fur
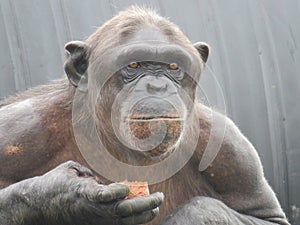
<point>232,190</point>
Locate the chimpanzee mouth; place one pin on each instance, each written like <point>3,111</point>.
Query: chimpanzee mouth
<point>153,125</point>
<point>139,118</point>
<point>155,135</point>
<point>154,109</point>
<point>156,127</point>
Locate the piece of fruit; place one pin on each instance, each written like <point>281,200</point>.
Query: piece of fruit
<point>137,189</point>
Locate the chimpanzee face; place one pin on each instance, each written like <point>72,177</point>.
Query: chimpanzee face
<point>152,112</point>
<point>153,98</point>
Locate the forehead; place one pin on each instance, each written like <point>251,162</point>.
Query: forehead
<point>149,33</point>
<point>147,44</point>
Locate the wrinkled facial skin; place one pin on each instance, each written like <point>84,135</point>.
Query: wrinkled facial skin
<point>149,109</point>
<point>155,89</point>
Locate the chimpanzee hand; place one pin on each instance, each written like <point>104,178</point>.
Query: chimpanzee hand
<point>70,194</point>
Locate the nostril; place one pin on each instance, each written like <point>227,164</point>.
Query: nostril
<point>164,87</point>
<point>150,87</point>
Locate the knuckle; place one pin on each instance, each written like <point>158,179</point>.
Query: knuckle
<point>70,164</point>
<point>124,187</point>
<point>121,190</point>
<point>79,169</point>
<point>120,185</point>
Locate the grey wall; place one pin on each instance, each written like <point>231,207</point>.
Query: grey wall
<point>255,59</point>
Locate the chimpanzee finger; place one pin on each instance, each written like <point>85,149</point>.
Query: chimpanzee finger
<point>90,189</point>
<point>114,192</point>
<point>139,204</point>
<point>140,218</point>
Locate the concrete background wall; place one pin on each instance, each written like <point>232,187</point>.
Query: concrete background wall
<point>255,58</point>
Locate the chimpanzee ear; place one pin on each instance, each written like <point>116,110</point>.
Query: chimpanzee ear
<point>203,50</point>
<point>76,63</point>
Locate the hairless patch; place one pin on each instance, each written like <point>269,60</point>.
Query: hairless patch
<point>14,149</point>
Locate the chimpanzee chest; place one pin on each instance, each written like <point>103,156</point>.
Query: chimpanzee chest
<point>184,185</point>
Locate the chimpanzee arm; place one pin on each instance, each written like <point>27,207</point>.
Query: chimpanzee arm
<point>14,204</point>
<point>237,175</point>
<point>206,210</point>
<point>69,194</point>
<point>245,196</point>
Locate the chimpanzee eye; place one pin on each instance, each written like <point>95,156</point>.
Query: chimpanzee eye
<point>174,72</point>
<point>133,65</point>
<point>173,66</point>
<point>131,72</point>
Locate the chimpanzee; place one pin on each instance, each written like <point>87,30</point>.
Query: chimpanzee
<point>130,98</point>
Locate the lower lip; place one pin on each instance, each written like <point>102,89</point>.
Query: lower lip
<point>153,119</point>
<point>144,128</point>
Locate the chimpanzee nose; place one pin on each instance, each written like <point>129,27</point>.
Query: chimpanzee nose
<point>157,86</point>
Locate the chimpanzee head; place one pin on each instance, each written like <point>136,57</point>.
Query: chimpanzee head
<point>140,73</point>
